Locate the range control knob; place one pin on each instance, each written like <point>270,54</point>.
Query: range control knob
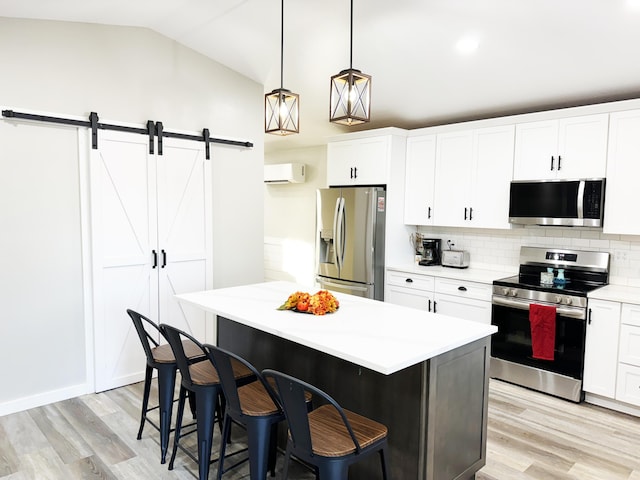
<point>568,301</point>
<point>505,291</point>
<point>558,299</point>
<point>514,292</point>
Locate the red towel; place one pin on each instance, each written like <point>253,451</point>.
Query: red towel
<point>543,331</point>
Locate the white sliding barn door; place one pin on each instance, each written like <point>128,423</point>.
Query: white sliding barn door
<point>124,233</point>
<point>184,230</point>
<point>145,209</point>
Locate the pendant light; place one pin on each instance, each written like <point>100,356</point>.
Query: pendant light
<point>350,96</point>
<point>281,105</point>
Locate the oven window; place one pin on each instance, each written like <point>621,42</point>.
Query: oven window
<point>512,342</point>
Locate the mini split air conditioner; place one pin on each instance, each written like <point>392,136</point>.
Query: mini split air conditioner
<point>284,173</point>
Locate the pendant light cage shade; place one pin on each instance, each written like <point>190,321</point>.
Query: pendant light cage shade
<point>350,98</point>
<point>281,112</point>
<point>281,115</point>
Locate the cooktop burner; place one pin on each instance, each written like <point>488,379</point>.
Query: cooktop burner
<point>532,282</point>
<point>583,271</point>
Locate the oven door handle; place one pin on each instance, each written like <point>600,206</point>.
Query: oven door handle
<point>577,313</point>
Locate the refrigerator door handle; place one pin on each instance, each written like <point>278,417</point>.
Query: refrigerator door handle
<point>339,233</point>
<point>336,247</point>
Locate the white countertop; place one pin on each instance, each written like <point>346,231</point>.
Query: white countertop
<point>380,336</point>
<point>617,293</point>
<point>470,274</point>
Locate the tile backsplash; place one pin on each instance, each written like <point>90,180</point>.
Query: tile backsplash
<point>500,249</point>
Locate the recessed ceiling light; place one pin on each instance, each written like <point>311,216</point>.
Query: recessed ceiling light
<point>468,44</point>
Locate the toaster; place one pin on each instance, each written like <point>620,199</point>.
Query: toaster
<point>455,258</point>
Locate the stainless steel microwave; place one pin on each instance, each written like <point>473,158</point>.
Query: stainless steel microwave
<point>575,203</point>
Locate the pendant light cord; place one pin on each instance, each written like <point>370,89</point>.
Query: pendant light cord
<point>281,44</point>
<point>351,40</point>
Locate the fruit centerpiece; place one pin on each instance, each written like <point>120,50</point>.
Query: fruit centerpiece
<point>318,304</point>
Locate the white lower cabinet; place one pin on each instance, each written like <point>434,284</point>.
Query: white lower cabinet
<point>601,348</point>
<point>469,309</point>
<point>628,384</point>
<point>468,300</point>
<point>612,354</point>
<point>410,290</point>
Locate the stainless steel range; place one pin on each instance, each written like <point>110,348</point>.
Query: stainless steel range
<point>557,282</point>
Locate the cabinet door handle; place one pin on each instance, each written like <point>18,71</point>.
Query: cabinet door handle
<point>428,212</point>
<point>434,306</point>
<point>164,259</point>
<point>429,305</point>
<point>355,172</point>
<point>552,160</point>
<point>351,172</point>
<point>470,213</point>
<point>589,321</point>
<point>409,280</point>
<point>155,258</point>
<point>559,162</point>
<point>465,213</point>
<point>462,288</point>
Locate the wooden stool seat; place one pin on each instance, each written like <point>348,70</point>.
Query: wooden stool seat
<point>204,373</point>
<point>164,354</point>
<point>330,437</point>
<point>255,400</point>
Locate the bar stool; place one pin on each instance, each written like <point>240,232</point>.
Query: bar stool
<point>202,380</point>
<point>329,437</point>
<point>254,407</point>
<point>160,358</point>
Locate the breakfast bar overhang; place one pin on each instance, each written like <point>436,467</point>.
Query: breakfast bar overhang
<point>424,375</point>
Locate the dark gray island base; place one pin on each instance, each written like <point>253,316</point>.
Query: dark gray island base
<point>436,410</point>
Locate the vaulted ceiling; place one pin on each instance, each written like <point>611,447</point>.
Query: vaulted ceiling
<point>432,61</point>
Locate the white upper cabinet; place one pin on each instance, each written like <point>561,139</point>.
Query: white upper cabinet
<point>420,180</point>
<point>573,147</point>
<point>493,153</point>
<point>363,161</point>
<point>623,169</point>
<point>473,172</point>
<point>454,170</point>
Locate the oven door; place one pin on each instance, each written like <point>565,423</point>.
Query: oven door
<point>512,342</point>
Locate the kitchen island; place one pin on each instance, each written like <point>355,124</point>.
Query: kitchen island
<point>423,375</point>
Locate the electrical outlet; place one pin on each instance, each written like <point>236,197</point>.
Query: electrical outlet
<point>620,256</point>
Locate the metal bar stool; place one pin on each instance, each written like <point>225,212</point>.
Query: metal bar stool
<point>160,358</point>
<point>254,407</point>
<point>203,381</point>
<point>329,438</point>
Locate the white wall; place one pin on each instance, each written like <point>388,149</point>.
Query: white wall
<point>290,216</point>
<point>127,75</point>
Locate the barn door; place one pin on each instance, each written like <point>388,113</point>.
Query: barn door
<point>184,232</point>
<point>124,236</point>
<point>151,231</point>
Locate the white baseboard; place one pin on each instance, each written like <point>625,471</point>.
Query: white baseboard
<point>44,398</point>
<point>612,404</point>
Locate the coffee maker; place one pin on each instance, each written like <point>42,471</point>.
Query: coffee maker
<point>430,252</point>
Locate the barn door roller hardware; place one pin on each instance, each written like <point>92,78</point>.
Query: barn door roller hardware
<point>153,129</point>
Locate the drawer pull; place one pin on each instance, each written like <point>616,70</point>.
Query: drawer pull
<point>462,289</point>
<point>409,280</point>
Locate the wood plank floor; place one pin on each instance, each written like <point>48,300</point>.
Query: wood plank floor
<point>531,436</point>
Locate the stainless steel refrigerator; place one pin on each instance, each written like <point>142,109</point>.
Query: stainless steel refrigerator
<point>350,225</point>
